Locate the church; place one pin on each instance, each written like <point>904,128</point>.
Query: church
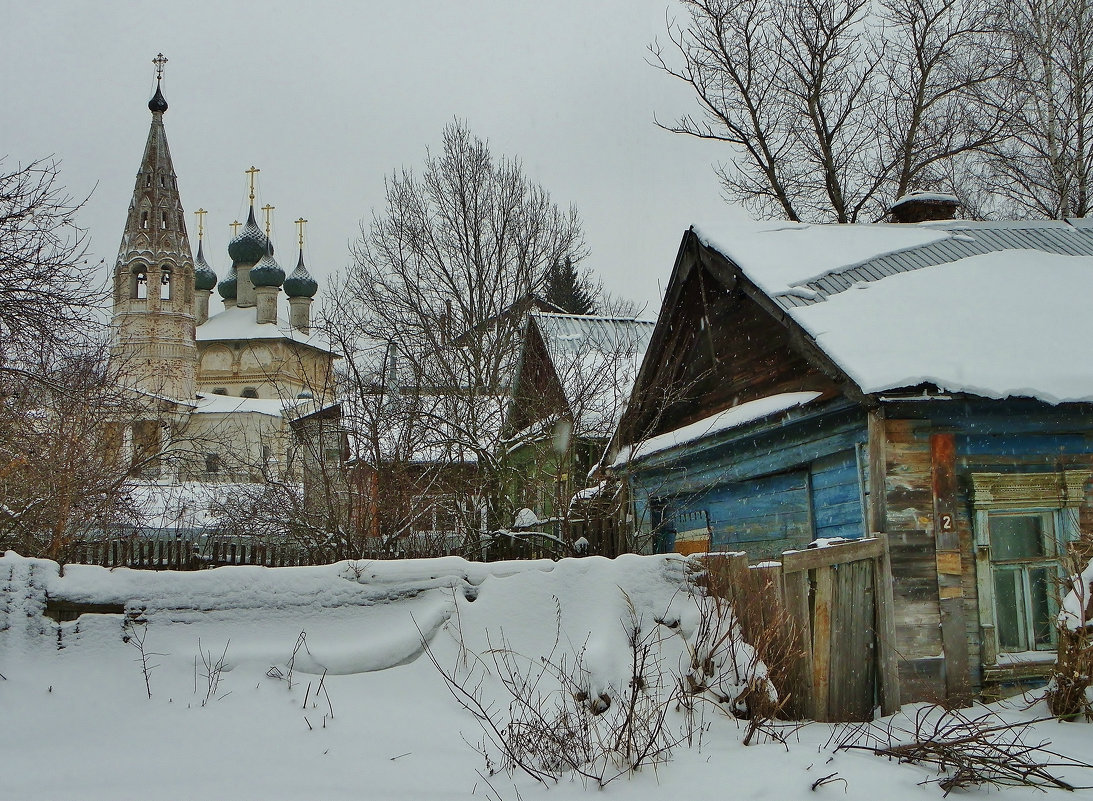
<point>244,396</point>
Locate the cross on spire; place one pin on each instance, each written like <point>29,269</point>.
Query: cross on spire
<point>300,223</point>
<point>235,228</point>
<point>159,61</point>
<point>200,214</point>
<point>267,209</point>
<point>251,173</point>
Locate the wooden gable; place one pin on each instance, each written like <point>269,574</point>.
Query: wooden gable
<point>718,343</point>
<point>537,391</point>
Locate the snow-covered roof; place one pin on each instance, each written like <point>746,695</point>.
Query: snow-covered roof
<point>596,360</point>
<point>725,420</point>
<point>242,323</point>
<point>991,309</point>
<point>182,505</point>
<point>925,197</point>
<point>228,404</point>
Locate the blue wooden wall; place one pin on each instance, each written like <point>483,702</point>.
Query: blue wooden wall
<point>765,489</point>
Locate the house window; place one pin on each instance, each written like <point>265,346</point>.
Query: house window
<point>249,392</point>
<point>1023,522</point>
<point>212,462</point>
<point>1024,573</point>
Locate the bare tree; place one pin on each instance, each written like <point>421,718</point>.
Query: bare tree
<point>62,476</point>
<point>835,108</point>
<point>50,293</point>
<point>1044,168</point>
<point>444,278</point>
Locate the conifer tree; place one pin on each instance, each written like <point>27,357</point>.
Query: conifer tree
<point>567,290</point>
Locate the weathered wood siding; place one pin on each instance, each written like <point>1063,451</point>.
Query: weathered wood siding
<point>719,349</point>
<point>988,436</point>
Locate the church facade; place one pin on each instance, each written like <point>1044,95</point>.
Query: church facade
<point>224,394</point>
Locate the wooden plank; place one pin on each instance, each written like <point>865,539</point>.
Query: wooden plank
<point>812,558</point>
<point>888,688</point>
<point>950,585</point>
<point>821,642</point>
<point>863,667</point>
<point>841,662</point>
<point>795,589</point>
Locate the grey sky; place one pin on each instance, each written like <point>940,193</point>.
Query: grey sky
<point>329,98</point>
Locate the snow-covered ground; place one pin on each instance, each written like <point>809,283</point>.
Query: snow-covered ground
<point>77,722</point>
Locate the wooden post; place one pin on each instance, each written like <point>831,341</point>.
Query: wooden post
<point>795,589</point>
<point>885,627</point>
<point>821,642</point>
<point>954,635</point>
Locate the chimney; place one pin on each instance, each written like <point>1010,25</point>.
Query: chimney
<point>916,207</point>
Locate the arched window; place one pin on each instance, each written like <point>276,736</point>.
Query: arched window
<point>163,221</point>
<point>220,391</point>
<point>144,220</point>
<point>138,283</point>
<point>250,392</point>
<point>165,283</point>
<point>148,179</point>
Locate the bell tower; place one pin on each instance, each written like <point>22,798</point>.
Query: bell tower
<point>153,309</point>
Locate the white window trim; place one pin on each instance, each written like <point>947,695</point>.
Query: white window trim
<point>1058,493</point>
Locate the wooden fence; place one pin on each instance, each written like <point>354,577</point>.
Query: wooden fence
<point>186,555</point>
<point>822,621</point>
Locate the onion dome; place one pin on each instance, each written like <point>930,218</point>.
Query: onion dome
<point>300,284</point>
<point>250,244</point>
<point>157,103</point>
<point>229,286</point>
<point>204,277</point>
<point>267,272</point>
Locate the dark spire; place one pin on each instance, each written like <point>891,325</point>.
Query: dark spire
<point>158,104</point>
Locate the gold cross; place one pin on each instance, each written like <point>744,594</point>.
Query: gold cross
<point>267,209</point>
<point>300,225</point>
<point>235,228</point>
<point>200,214</point>
<point>159,61</point>
<point>252,172</point>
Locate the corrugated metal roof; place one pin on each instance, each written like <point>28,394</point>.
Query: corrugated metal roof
<point>1072,238</point>
<point>592,331</point>
<point>596,360</point>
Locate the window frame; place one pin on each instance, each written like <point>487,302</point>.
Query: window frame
<point>1056,498</point>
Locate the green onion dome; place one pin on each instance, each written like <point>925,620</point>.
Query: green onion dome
<point>204,277</point>
<point>300,284</point>
<point>229,286</point>
<point>267,272</point>
<point>250,244</point>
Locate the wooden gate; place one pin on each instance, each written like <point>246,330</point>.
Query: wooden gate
<point>822,621</point>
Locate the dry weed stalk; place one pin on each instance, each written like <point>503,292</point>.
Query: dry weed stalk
<point>1068,691</point>
<point>213,669</point>
<point>556,722</point>
<point>136,633</point>
<point>966,750</point>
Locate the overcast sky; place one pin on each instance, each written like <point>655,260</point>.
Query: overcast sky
<point>329,98</point>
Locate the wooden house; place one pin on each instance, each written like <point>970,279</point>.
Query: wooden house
<point>931,382</point>
<point>573,377</point>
